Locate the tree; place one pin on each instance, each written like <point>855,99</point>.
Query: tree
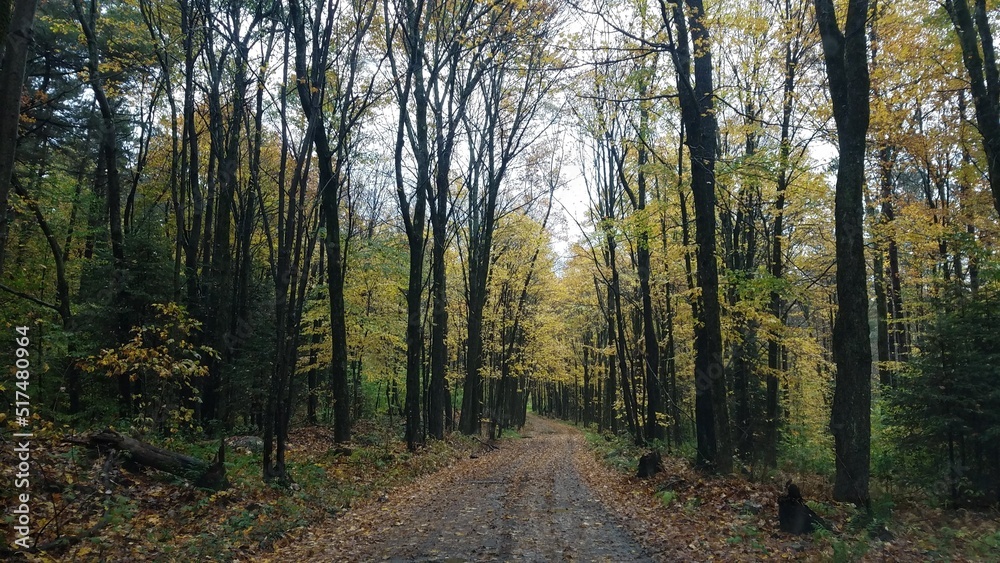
<point>406,19</point>
<point>605,125</point>
<point>350,97</point>
<point>975,37</point>
<point>498,134</point>
<point>109,156</point>
<point>17,38</point>
<point>691,44</point>
<point>846,56</point>
<point>946,400</point>
<point>446,50</point>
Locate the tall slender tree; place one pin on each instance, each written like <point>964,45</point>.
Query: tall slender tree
<point>692,47</point>
<point>405,26</point>
<point>975,37</point>
<point>846,55</point>
<point>339,43</point>
<point>498,134</point>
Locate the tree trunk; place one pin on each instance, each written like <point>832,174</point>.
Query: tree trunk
<point>777,265</point>
<point>654,395</point>
<point>338,323</point>
<point>697,113</point>
<point>200,472</point>
<point>881,320</point>
<point>984,80</point>
<point>17,37</point>
<point>439,324</point>
<point>847,70</point>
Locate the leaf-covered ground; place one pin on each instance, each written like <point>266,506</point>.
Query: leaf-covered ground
<point>87,509</point>
<point>552,494</point>
<point>684,515</point>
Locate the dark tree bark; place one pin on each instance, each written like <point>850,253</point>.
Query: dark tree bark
<point>350,98</point>
<point>200,472</point>
<point>896,320</point>
<point>618,334</point>
<point>109,156</point>
<point>715,449</point>
<point>410,87</point>
<point>610,193</point>
<point>190,162</point>
<point>17,38</point>
<point>109,139</point>
<point>453,79</point>
<point>494,143</point>
<point>439,291</point>
<point>846,55</point>
<point>740,240</point>
<point>668,365</point>
<point>882,325</point>
<point>979,55</point>
<point>795,48</point>
<point>654,395</point>
<point>220,320</point>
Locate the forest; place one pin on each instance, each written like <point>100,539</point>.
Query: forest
<point>263,261</point>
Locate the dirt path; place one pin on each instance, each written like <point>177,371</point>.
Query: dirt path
<point>524,502</point>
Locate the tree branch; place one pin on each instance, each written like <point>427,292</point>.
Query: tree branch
<point>34,300</point>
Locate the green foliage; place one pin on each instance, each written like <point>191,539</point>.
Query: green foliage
<point>511,433</point>
<point>164,362</point>
<point>749,534</point>
<point>849,550</point>
<point>667,497</point>
<point>946,405</point>
<point>802,454</point>
<point>618,452</point>
<point>988,544</point>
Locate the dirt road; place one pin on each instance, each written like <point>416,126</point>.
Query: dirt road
<point>523,502</point>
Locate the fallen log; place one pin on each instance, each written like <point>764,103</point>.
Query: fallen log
<point>200,472</point>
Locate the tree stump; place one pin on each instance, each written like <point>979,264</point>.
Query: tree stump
<point>794,516</point>
<point>650,464</point>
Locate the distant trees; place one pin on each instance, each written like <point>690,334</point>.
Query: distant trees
<point>469,68</point>
<point>499,128</point>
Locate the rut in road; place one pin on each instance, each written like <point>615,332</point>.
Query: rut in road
<point>524,502</point>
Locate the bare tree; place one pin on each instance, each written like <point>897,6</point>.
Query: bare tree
<point>497,135</point>
<point>338,33</point>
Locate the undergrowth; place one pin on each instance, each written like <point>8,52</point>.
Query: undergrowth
<point>155,516</point>
<point>747,510</point>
